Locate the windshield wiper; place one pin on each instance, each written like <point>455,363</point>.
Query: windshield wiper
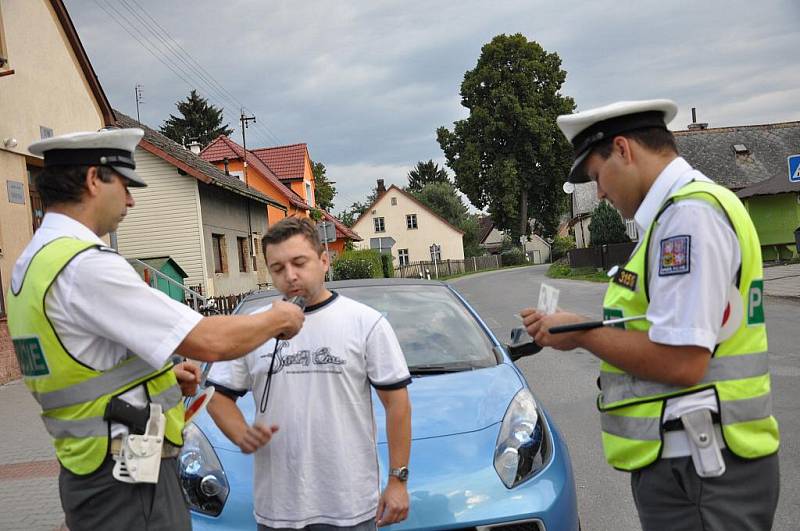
<point>441,368</point>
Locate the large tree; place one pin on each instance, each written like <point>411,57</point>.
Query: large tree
<point>443,198</point>
<point>606,226</point>
<point>324,189</point>
<point>199,120</point>
<point>508,154</point>
<point>424,173</point>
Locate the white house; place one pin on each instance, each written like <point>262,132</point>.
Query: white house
<point>399,224</point>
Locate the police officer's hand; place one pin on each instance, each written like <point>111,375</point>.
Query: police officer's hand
<point>188,375</point>
<point>289,317</point>
<point>255,436</point>
<point>538,325</point>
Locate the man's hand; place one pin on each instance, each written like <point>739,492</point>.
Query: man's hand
<point>255,436</point>
<point>538,325</point>
<point>290,318</point>
<point>393,505</point>
<point>188,375</point>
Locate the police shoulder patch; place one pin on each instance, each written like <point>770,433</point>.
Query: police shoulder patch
<point>674,256</point>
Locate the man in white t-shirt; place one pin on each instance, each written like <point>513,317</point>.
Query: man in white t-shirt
<point>321,470</point>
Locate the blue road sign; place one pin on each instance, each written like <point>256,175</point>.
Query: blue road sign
<point>794,168</point>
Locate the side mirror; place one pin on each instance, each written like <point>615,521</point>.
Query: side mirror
<point>521,345</point>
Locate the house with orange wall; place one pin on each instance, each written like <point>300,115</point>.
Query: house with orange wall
<point>283,173</point>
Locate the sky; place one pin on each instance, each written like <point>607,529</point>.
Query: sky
<point>366,83</point>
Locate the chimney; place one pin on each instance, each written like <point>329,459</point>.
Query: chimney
<point>194,147</point>
<point>381,186</point>
<point>694,126</point>
<point>225,162</point>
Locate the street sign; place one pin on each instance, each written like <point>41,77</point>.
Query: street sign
<point>327,231</point>
<point>435,248</point>
<point>794,168</point>
<point>383,245</point>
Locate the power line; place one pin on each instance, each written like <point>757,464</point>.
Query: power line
<point>188,74</point>
<point>172,50</point>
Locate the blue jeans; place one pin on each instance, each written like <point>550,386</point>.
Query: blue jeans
<point>368,525</point>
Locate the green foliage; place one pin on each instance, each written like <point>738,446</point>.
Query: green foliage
<point>561,269</point>
<point>509,154</point>
<point>324,191</point>
<point>512,257</point>
<point>316,214</point>
<point>364,263</point>
<point>426,173</point>
<point>444,200</point>
<point>199,121</point>
<point>350,215</point>
<point>606,226</point>
<point>387,267</point>
<point>560,246</point>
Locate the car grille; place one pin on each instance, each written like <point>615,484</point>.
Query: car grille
<point>527,525</point>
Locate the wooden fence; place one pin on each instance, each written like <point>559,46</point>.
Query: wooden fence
<point>446,268</point>
<point>601,256</point>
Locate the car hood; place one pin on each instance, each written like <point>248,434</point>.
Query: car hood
<point>442,404</point>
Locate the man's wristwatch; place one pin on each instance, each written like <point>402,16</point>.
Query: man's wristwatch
<point>400,473</point>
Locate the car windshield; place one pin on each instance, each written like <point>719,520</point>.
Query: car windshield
<point>435,329</point>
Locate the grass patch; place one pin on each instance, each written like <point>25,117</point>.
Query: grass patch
<point>563,270</point>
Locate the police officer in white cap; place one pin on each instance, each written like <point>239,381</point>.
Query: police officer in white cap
<point>94,342</point>
<point>685,389</point>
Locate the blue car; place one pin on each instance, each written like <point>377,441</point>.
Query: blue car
<point>485,454</point>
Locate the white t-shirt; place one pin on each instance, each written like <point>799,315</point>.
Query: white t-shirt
<point>103,311</point>
<point>322,466</point>
<point>687,299</point>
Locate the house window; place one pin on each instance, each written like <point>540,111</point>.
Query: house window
<point>3,54</point>
<point>244,251</point>
<point>402,255</point>
<point>220,255</point>
<point>394,201</point>
<point>380,226</point>
<point>309,194</point>
<point>411,221</point>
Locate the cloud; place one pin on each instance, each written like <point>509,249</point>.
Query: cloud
<point>366,84</point>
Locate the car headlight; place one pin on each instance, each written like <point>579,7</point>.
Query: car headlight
<point>202,477</point>
<point>522,445</point>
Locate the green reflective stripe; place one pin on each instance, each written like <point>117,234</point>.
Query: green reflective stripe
<point>169,398</point>
<point>76,429</point>
<point>747,409</point>
<point>640,428</point>
<point>617,387</point>
<point>106,383</point>
<point>649,428</point>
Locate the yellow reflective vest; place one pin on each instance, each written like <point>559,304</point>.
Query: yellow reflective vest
<point>73,396</point>
<point>632,409</point>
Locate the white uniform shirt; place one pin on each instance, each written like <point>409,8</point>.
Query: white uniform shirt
<point>322,466</point>
<point>101,309</point>
<point>686,305</point>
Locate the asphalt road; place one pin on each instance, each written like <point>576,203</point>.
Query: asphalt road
<point>565,383</point>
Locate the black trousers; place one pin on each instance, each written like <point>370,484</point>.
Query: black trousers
<point>669,495</point>
<point>97,501</point>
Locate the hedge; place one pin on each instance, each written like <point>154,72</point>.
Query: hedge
<point>365,263</point>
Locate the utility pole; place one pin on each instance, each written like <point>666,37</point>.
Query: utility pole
<point>245,120</point>
<point>138,91</point>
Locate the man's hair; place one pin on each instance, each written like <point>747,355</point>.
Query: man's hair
<point>653,138</point>
<point>292,226</point>
<point>66,184</point>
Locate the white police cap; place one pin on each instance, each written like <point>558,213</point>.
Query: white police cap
<point>108,147</point>
<point>586,128</point>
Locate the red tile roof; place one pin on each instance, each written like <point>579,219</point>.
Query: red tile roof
<point>342,230</point>
<point>225,144</point>
<point>288,162</point>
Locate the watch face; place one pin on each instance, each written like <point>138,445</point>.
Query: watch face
<point>400,473</point>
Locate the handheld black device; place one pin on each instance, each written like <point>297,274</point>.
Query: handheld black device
<point>301,302</point>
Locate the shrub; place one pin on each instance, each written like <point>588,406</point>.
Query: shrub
<point>607,226</point>
<point>387,266</point>
<point>365,263</point>
<point>560,246</point>
<point>512,257</point>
